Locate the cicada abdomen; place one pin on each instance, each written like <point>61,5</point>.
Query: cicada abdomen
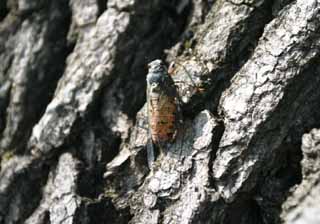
<point>163,106</point>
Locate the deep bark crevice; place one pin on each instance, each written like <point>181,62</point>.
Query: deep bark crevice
<point>101,211</point>
<point>28,181</point>
<point>3,10</point>
<point>102,6</point>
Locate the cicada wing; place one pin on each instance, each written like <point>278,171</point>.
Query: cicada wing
<point>150,146</point>
<point>150,153</point>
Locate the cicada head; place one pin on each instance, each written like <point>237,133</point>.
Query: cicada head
<point>157,75</point>
<point>172,68</point>
<point>157,66</point>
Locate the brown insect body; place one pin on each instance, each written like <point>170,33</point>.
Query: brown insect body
<point>162,119</point>
<point>163,105</point>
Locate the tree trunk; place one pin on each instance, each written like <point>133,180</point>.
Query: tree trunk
<point>73,120</point>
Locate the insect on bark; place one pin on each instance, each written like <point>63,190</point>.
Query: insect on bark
<point>164,113</point>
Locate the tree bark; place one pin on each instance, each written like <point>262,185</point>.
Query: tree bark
<point>73,119</point>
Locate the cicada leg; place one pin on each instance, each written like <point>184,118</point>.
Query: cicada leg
<point>172,72</point>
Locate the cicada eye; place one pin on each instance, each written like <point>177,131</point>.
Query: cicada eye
<point>171,68</point>
<point>172,65</point>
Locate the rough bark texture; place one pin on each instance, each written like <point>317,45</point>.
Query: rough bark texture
<point>73,119</point>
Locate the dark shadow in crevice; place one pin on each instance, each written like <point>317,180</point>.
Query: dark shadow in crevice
<point>263,204</point>
<point>274,185</point>
<point>217,135</point>
<point>101,211</point>
<point>244,210</point>
<point>102,149</point>
<point>102,6</point>
<point>280,5</point>
<point>25,189</point>
<point>4,102</point>
<point>3,10</point>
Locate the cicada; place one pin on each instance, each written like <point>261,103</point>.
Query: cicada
<point>163,106</point>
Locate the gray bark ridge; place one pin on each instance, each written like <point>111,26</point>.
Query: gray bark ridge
<point>60,199</point>
<point>257,90</point>
<point>79,84</point>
